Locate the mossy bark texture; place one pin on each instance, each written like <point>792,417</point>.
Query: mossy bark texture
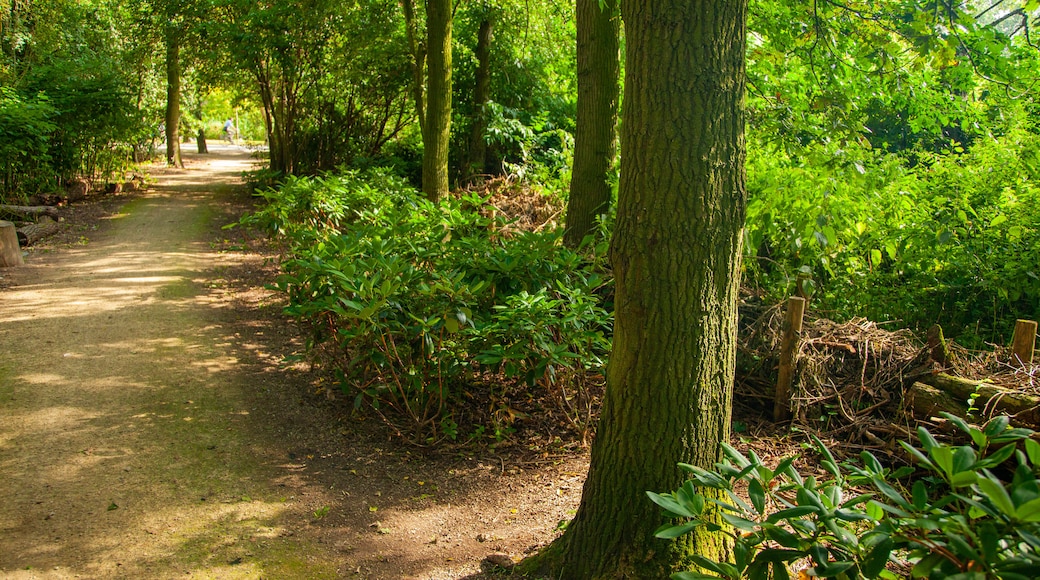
<point>437,129</point>
<point>675,255</point>
<point>595,135</point>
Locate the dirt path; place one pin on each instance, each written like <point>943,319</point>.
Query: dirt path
<point>148,428</point>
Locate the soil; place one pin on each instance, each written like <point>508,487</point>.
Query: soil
<point>152,424</point>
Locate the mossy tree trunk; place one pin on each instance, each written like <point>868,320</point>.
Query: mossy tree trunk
<point>675,256</point>
<point>595,135</point>
<point>477,154</point>
<point>173,93</point>
<point>437,129</point>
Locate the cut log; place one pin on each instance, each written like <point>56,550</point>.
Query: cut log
<point>989,399</point>
<point>26,211</point>
<point>10,253</point>
<point>33,233</point>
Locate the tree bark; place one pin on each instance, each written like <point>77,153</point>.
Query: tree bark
<point>942,392</point>
<point>437,131</point>
<point>477,155</point>
<point>173,95</point>
<point>418,53</point>
<point>675,256</point>
<point>595,135</point>
<point>32,233</point>
<point>10,250</point>
<point>29,210</point>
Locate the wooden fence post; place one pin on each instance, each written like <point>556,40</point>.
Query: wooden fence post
<point>792,334</point>
<point>1023,343</point>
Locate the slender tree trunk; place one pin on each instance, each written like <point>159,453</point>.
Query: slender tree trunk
<point>173,97</point>
<point>438,99</point>
<point>477,156</point>
<point>675,256</point>
<point>595,136</point>
<point>418,53</point>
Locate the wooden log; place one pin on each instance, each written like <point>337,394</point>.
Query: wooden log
<point>1023,343</point>
<point>33,233</point>
<point>27,211</point>
<point>926,401</point>
<point>10,252</point>
<point>989,398</point>
<point>792,333</point>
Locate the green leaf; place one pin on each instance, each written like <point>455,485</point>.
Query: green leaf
<point>964,479</point>
<point>790,513</point>
<point>878,557</point>
<point>1033,451</point>
<point>692,576</point>
<point>670,504</point>
<point>668,532</point>
<point>996,425</point>
<point>1029,511</point>
<point>920,494</point>
<point>739,522</point>
<point>998,220</point>
<point>452,325</point>
<point>943,458</point>
<point>757,494</point>
<point>994,491</point>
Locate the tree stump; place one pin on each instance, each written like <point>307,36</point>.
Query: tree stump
<point>10,252</point>
<point>202,142</point>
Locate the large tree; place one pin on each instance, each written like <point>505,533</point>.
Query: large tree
<point>675,255</point>
<point>595,136</point>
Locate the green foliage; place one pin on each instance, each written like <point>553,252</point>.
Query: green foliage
<point>25,127</point>
<point>418,303</point>
<point>532,150</point>
<point>951,239</point>
<point>972,511</point>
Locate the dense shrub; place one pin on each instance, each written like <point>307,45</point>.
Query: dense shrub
<point>951,240</point>
<point>971,512</point>
<point>416,302</point>
<point>25,127</point>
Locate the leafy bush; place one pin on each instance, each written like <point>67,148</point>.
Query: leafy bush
<point>25,127</point>
<point>414,301</point>
<point>971,512</point>
<point>950,240</point>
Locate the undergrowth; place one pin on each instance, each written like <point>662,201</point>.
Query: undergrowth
<point>418,306</point>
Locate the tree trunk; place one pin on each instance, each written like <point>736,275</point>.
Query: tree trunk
<point>675,256</point>
<point>477,155</point>
<point>418,53</point>
<point>173,97</point>
<point>595,136</point>
<point>438,99</point>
